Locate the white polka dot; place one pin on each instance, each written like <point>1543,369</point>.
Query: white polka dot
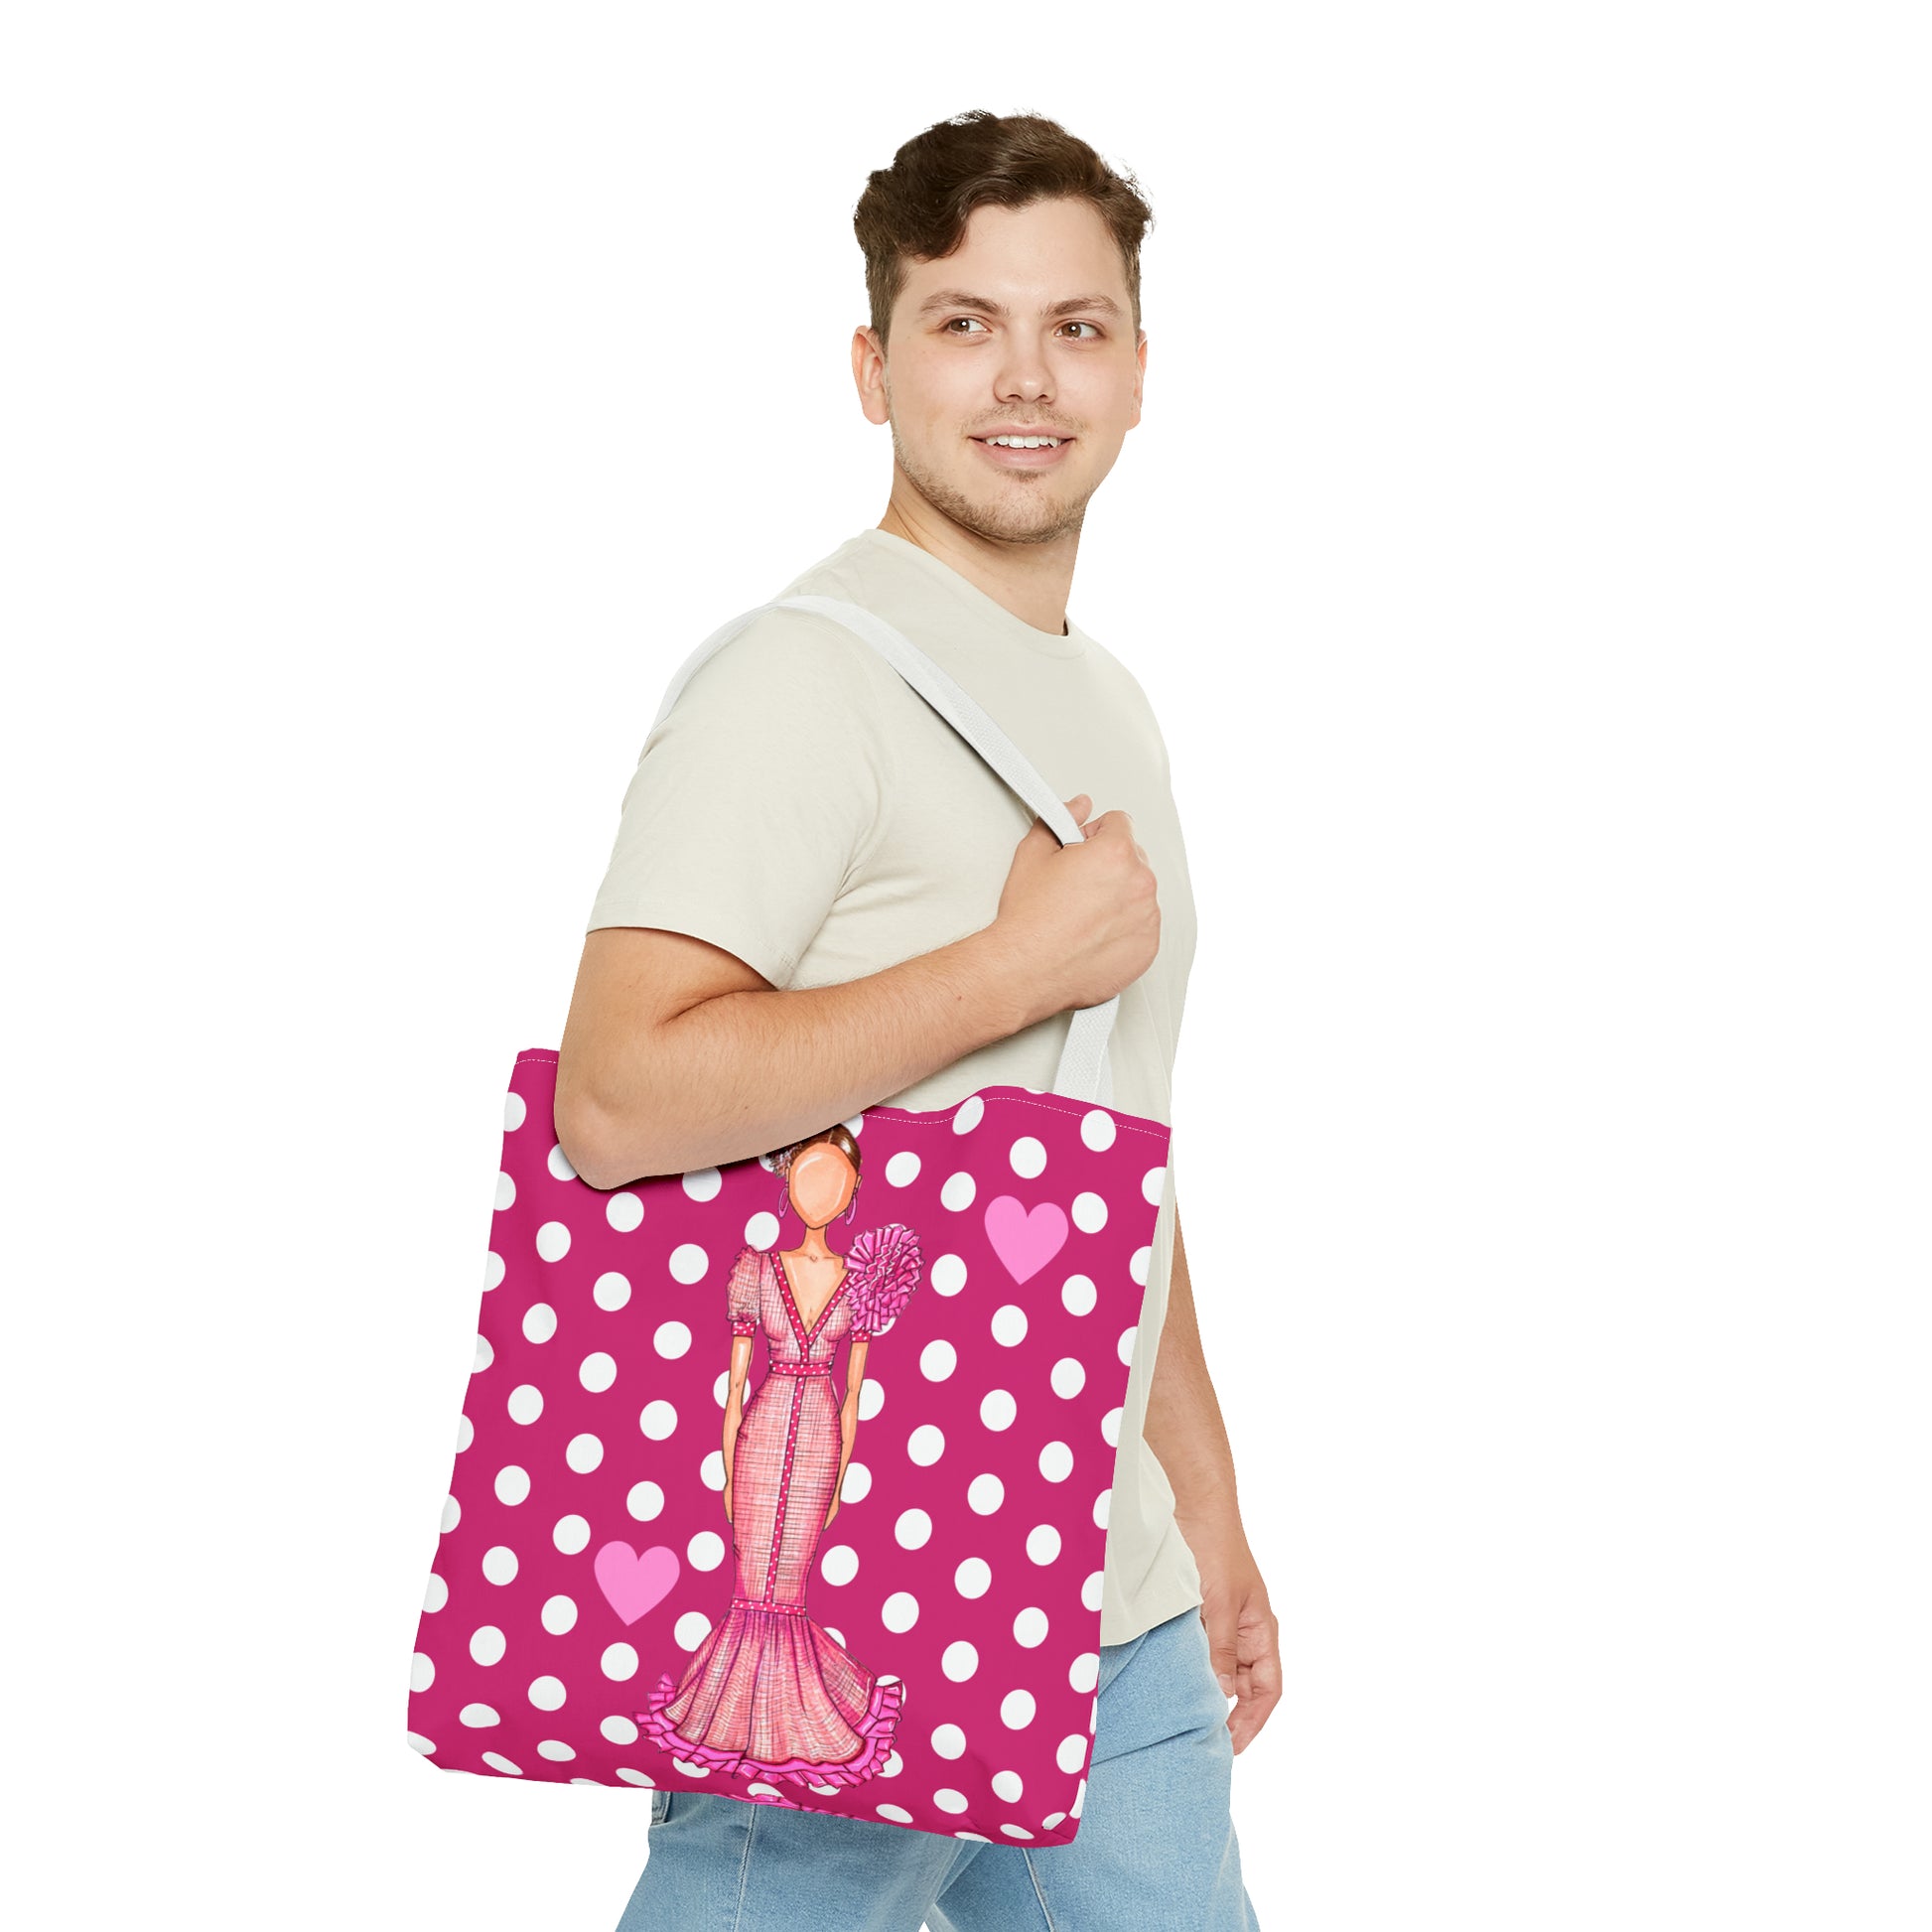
<point>584,1453</point>
<point>1069,1377</point>
<point>515,1112</point>
<point>560,1615</point>
<point>948,1799</point>
<point>900,1611</point>
<point>597,1372</point>
<point>560,1164</point>
<point>1016,1710</point>
<point>1056,1462</point>
<point>479,1716</point>
<point>484,1355</point>
<point>1084,1672</point>
<point>1091,1591</point>
<point>914,1529</point>
<point>712,1470</point>
<point>1124,1348</point>
<point>872,1398</point>
<point>1078,1295</point>
<point>1073,1752</point>
<point>437,1595</point>
<point>618,1731</point>
<point>611,1291</point>
<point>1010,1786</point>
<point>949,1741</point>
<point>857,1484</point>
<point>1010,1324</point>
<point>1030,1628</point>
<point>466,1433</point>
<point>902,1169</point>
<point>896,1813</point>
<point>689,1263</point>
<point>1143,1259</point>
<point>513,1485</point>
<point>1089,1213</point>
<point>658,1420</point>
<point>937,1360</point>
<point>1043,1543</point>
<point>1028,1156</point>
<point>488,1644</point>
<point>645,1501</point>
<point>556,1751</point>
<point>947,1275</point>
<point>1101,1504</point>
<point>672,1339</point>
<point>997,1408</point>
<point>1110,1428</point>
<point>619,1662</point>
<point>1097,1129</point>
<point>420,1743</point>
<point>499,1565</point>
<point>1154,1185</point>
<point>624,1211</point>
<point>451,1514</point>
<point>703,1184</point>
<point>422,1671</point>
<point>547,1692</point>
<point>985,1492</point>
<point>959,1660</point>
<point>553,1241</point>
<point>958,1192</point>
<point>526,1403</point>
<point>539,1321</point>
<point>973,1577</point>
<point>927,1444</point>
<point>493,1271</point>
<point>691,1629</point>
<point>705,1550</point>
<point>571,1535</point>
<point>761,1230</point>
<point>968,1115</point>
<point>840,1564</point>
<point>505,1192</point>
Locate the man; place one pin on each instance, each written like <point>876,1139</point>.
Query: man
<point>816,904</point>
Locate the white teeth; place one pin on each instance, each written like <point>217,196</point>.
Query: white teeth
<point>1025,442</point>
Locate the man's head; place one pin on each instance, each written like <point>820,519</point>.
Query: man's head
<point>1002,263</point>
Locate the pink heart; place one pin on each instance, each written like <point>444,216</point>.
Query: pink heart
<point>1025,1242</point>
<point>634,1581</point>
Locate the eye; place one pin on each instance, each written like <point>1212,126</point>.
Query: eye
<point>960,318</point>
<point>1086,325</point>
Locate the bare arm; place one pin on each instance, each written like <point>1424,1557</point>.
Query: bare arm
<point>677,1054</point>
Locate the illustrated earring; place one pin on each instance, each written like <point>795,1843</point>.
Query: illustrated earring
<point>854,1208</point>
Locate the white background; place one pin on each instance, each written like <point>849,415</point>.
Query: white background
<point>1525,547</point>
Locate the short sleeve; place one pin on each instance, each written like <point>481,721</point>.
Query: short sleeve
<point>760,795</point>
<point>743,1295</point>
<point>883,1266</point>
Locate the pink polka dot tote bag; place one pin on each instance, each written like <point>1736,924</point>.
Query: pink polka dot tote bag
<point>787,1479</point>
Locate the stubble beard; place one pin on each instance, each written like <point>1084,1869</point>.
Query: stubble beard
<point>1032,514</point>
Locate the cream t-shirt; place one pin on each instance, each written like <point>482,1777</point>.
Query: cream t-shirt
<point>802,807</point>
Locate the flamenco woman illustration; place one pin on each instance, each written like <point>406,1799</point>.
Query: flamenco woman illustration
<point>770,1693</point>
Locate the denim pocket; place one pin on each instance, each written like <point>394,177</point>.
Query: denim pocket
<point>660,1806</point>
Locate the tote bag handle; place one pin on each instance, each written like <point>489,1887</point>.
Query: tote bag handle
<point>1085,1072</point>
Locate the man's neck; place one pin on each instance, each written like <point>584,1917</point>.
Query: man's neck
<point>1032,579</point>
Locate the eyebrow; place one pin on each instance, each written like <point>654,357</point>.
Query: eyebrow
<point>961,299</point>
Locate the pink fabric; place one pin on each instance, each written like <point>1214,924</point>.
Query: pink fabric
<point>593,1616</point>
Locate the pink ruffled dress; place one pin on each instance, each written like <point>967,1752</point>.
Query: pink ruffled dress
<point>770,1693</point>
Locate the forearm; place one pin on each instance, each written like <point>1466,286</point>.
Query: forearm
<point>745,1072</point>
<point>1183,1424</point>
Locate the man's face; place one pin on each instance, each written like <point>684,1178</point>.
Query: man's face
<point>1013,330</point>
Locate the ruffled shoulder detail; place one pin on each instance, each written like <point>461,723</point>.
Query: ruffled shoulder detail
<point>883,1268</point>
<point>741,1295</point>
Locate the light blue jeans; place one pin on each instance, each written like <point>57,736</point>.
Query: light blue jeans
<point>1155,1851</point>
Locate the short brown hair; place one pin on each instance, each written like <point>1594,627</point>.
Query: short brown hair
<point>918,207</point>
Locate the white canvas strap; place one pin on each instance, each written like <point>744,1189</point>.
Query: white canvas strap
<point>1085,1072</point>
